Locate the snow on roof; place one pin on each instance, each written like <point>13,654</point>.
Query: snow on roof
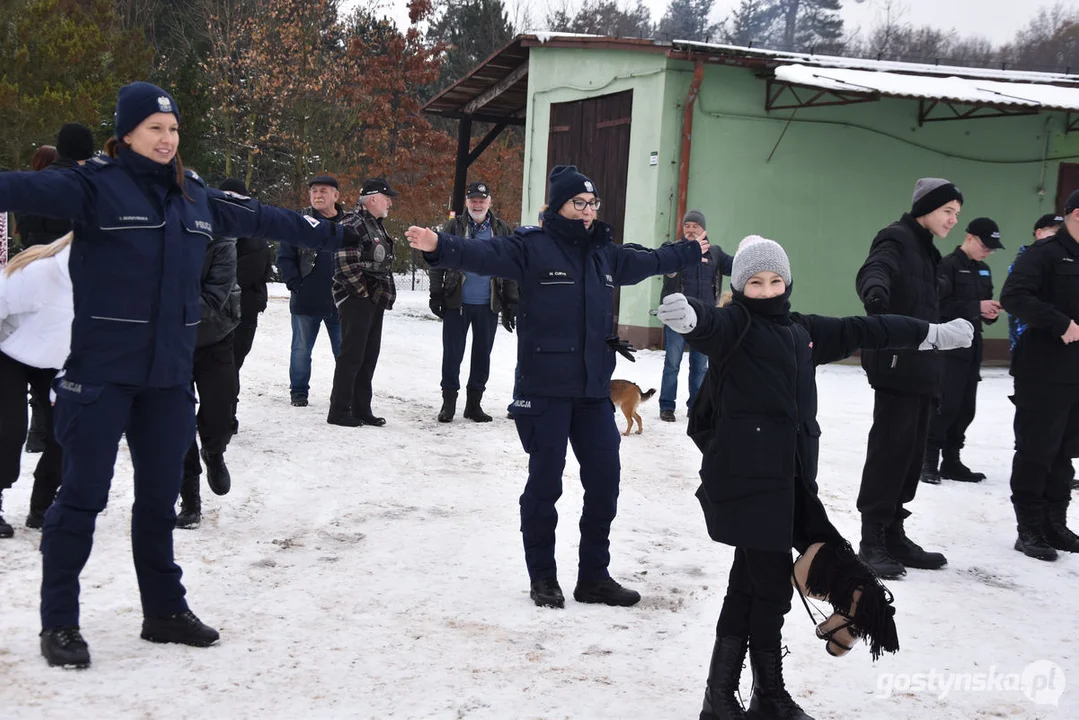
<point>973,91</point>
<point>544,36</point>
<point>833,61</point>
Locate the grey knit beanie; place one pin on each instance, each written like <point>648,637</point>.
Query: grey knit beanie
<point>756,254</point>
<point>695,216</point>
<point>932,193</point>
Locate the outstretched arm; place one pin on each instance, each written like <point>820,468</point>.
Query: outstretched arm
<point>502,257</point>
<point>633,263</point>
<point>240,216</point>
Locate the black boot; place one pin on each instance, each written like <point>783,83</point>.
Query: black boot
<point>605,592</point>
<point>473,411</point>
<point>6,531</point>
<point>41,497</point>
<point>952,468</point>
<point>1055,529</point>
<point>35,519</point>
<point>344,419</point>
<point>183,628</point>
<point>1031,541</point>
<point>217,473</point>
<point>721,695</point>
<point>545,592</point>
<point>770,700</point>
<point>190,504</point>
<point>930,474</point>
<point>908,552</point>
<point>873,551</point>
<point>449,406</point>
<point>64,647</point>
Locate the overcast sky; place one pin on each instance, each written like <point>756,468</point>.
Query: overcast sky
<point>996,20</point>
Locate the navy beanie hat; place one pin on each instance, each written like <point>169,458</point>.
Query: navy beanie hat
<point>565,183</point>
<point>75,142</point>
<point>138,101</point>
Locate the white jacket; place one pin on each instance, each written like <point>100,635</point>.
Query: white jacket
<point>36,311</point>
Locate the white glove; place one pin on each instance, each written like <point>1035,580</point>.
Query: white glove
<point>676,313</point>
<point>953,334</point>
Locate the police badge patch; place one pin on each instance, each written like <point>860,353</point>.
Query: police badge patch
<point>164,105</point>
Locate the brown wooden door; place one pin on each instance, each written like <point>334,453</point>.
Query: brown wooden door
<point>593,134</point>
<point>1067,183</point>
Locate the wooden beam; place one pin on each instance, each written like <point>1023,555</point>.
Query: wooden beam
<point>497,90</point>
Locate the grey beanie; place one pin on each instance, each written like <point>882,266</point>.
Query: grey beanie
<point>756,254</point>
<point>695,216</point>
<point>932,193</point>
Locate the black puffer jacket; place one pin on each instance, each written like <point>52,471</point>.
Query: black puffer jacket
<point>1043,292</point>
<point>902,270</point>
<point>760,418</point>
<point>39,229</point>
<point>220,295</point>
<point>254,264</point>
<point>447,285</point>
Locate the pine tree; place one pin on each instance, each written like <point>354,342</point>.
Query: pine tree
<point>470,31</point>
<point>687,20</point>
<point>750,24</point>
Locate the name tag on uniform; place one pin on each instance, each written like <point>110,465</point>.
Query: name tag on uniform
<point>556,277</point>
<point>983,273</point>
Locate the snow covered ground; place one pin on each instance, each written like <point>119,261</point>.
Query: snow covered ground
<point>369,572</point>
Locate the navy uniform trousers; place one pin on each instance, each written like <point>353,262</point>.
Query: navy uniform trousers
<point>544,424</point>
<point>160,423</point>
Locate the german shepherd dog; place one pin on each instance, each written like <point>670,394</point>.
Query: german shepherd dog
<point>628,396</point>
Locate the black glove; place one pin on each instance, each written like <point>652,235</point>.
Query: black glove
<point>509,317</point>
<point>437,308</point>
<point>294,284</point>
<point>876,301</point>
<point>622,347</point>
<point>351,238</point>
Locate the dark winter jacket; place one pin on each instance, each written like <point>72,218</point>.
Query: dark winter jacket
<point>901,270</point>
<point>962,285</point>
<point>136,265</point>
<point>254,264</point>
<point>220,296</point>
<point>42,229</point>
<point>308,274</point>
<point>703,282</point>
<point>765,440</point>
<point>447,286</point>
<point>1043,292</point>
<point>567,276</point>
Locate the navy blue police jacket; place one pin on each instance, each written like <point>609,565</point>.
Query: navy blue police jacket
<point>567,276</point>
<point>137,259</point>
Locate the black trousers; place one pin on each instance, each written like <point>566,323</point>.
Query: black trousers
<point>243,339</point>
<point>1046,440</point>
<point>484,323</point>
<point>361,341</point>
<point>758,597</point>
<point>215,378</point>
<point>958,398</point>
<point>894,455</point>
<point>15,377</point>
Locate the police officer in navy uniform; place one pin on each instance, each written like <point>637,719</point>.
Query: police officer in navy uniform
<point>1043,292</point>
<point>567,271</point>
<point>142,225</point>
<point>965,289</point>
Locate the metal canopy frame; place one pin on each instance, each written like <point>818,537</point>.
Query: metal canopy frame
<point>801,96</point>
<point>949,110</point>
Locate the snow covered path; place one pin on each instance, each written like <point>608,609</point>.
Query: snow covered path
<point>367,572</point>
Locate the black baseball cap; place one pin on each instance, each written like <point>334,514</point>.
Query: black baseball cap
<point>478,189</point>
<point>374,186</point>
<point>1072,203</point>
<point>1048,220</point>
<point>324,180</point>
<point>987,231</point>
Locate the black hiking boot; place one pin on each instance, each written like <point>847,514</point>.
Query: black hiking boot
<point>909,553</point>
<point>473,411</point>
<point>190,504</point>
<point>930,474</point>
<point>770,700</point>
<point>183,628</point>
<point>952,468</point>
<point>64,647</point>
<point>6,531</point>
<point>299,401</point>
<point>605,592</point>
<point>449,406</point>
<point>217,473</point>
<point>545,592</point>
<point>721,694</point>
<point>873,551</point>
<point>1055,528</point>
<point>1031,541</point>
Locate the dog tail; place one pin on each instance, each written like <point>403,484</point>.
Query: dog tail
<point>646,395</point>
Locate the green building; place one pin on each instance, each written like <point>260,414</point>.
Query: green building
<point>815,152</point>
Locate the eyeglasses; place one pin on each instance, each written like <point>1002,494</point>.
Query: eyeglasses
<point>579,204</point>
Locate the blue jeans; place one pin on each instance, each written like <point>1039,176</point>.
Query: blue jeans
<point>304,332</point>
<point>698,366</point>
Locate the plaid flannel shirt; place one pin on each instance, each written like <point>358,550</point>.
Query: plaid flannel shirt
<point>353,275</point>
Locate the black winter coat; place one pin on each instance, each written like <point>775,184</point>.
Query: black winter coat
<point>765,440</point>
<point>1042,290</point>
<point>254,264</point>
<point>721,264</point>
<point>219,298</point>
<point>40,229</point>
<point>962,285</point>
<point>902,264</point>
<point>447,285</point>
